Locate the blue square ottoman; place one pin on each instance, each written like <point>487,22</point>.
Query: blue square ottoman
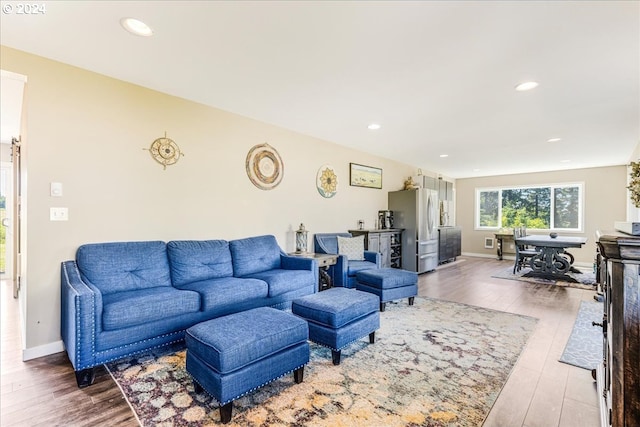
<point>233,355</point>
<point>338,317</point>
<point>388,283</point>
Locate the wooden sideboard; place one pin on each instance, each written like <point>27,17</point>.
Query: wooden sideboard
<point>618,376</point>
<point>387,242</point>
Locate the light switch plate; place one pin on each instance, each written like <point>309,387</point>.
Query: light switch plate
<point>56,189</point>
<point>59,214</point>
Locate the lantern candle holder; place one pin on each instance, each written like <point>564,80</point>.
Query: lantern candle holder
<point>301,240</point>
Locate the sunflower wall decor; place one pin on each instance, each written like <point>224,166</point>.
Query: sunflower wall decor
<point>327,181</point>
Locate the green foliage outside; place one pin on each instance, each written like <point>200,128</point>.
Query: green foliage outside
<point>531,208</point>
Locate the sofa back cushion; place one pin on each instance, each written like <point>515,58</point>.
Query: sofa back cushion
<point>254,255</point>
<point>196,260</point>
<point>124,266</point>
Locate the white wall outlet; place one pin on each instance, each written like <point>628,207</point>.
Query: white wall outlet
<point>56,189</point>
<point>59,214</point>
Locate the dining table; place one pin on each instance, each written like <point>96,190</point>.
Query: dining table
<point>552,258</point>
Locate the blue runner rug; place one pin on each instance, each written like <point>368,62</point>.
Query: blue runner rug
<point>584,347</point>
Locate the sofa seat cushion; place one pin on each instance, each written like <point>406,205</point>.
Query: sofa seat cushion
<point>124,266</point>
<point>355,266</point>
<point>216,293</point>
<point>132,308</point>
<point>195,260</point>
<point>283,281</point>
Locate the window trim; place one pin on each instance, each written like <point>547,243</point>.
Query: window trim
<point>551,186</point>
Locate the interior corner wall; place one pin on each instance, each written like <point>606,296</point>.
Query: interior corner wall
<point>605,201</point>
<point>88,132</point>
<point>633,212</point>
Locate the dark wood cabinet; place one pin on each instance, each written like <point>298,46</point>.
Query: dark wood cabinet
<point>387,242</point>
<point>449,243</point>
<point>618,376</point>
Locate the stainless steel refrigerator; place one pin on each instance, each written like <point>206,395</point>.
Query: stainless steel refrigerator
<point>417,212</point>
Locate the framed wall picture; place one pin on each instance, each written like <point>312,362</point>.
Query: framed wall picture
<point>365,176</point>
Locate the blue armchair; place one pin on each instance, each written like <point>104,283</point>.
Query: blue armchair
<point>344,272</point>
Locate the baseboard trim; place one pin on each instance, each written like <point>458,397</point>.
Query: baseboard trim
<point>42,350</point>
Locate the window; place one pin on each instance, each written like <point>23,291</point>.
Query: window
<point>548,207</point>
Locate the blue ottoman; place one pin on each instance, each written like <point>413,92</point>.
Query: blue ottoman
<point>232,355</point>
<point>338,317</point>
<point>388,283</point>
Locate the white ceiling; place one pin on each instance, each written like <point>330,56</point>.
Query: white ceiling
<point>438,76</point>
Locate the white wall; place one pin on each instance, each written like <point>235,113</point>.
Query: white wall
<point>89,132</point>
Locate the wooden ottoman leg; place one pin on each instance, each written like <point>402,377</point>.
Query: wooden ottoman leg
<point>411,300</point>
<point>225,412</point>
<point>335,356</point>
<point>372,337</point>
<point>382,306</point>
<point>298,375</point>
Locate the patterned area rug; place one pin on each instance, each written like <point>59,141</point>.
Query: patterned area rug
<point>581,280</point>
<point>435,363</point>
<point>584,347</point>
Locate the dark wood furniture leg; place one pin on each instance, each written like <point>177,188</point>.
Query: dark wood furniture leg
<point>335,356</point>
<point>225,413</point>
<point>411,299</point>
<point>298,375</point>
<point>382,306</point>
<point>372,337</point>
<point>85,377</point>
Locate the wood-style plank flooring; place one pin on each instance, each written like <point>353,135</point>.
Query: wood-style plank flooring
<point>540,391</point>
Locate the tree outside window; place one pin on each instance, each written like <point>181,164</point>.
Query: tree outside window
<point>550,207</point>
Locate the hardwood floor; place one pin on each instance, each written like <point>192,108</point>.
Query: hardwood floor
<point>540,391</point>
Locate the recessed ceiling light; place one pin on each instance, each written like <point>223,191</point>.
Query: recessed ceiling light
<point>373,126</point>
<point>137,27</point>
<point>554,139</point>
<point>526,86</point>
<point>444,155</point>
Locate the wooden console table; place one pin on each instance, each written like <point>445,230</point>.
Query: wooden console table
<point>500,237</point>
<point>324,262</point>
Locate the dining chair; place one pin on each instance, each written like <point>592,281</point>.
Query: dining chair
<point>523,252</point>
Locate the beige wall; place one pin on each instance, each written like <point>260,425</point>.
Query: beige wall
<point>88,132</point>
<point>605,200</point>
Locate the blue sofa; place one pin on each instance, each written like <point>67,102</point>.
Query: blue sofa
<point>121,298</point>
<point>345,270</point>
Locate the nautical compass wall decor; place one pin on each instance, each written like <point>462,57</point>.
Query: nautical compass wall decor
<point>264,166</point>
<point>165,151</point>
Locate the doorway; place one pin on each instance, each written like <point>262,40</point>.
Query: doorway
<point>6,229</point>
<point>12,89</point>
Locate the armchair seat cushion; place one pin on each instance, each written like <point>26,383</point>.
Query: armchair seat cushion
<point>137,307</point>
<point>356,266</point>
<point>228,291</point>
